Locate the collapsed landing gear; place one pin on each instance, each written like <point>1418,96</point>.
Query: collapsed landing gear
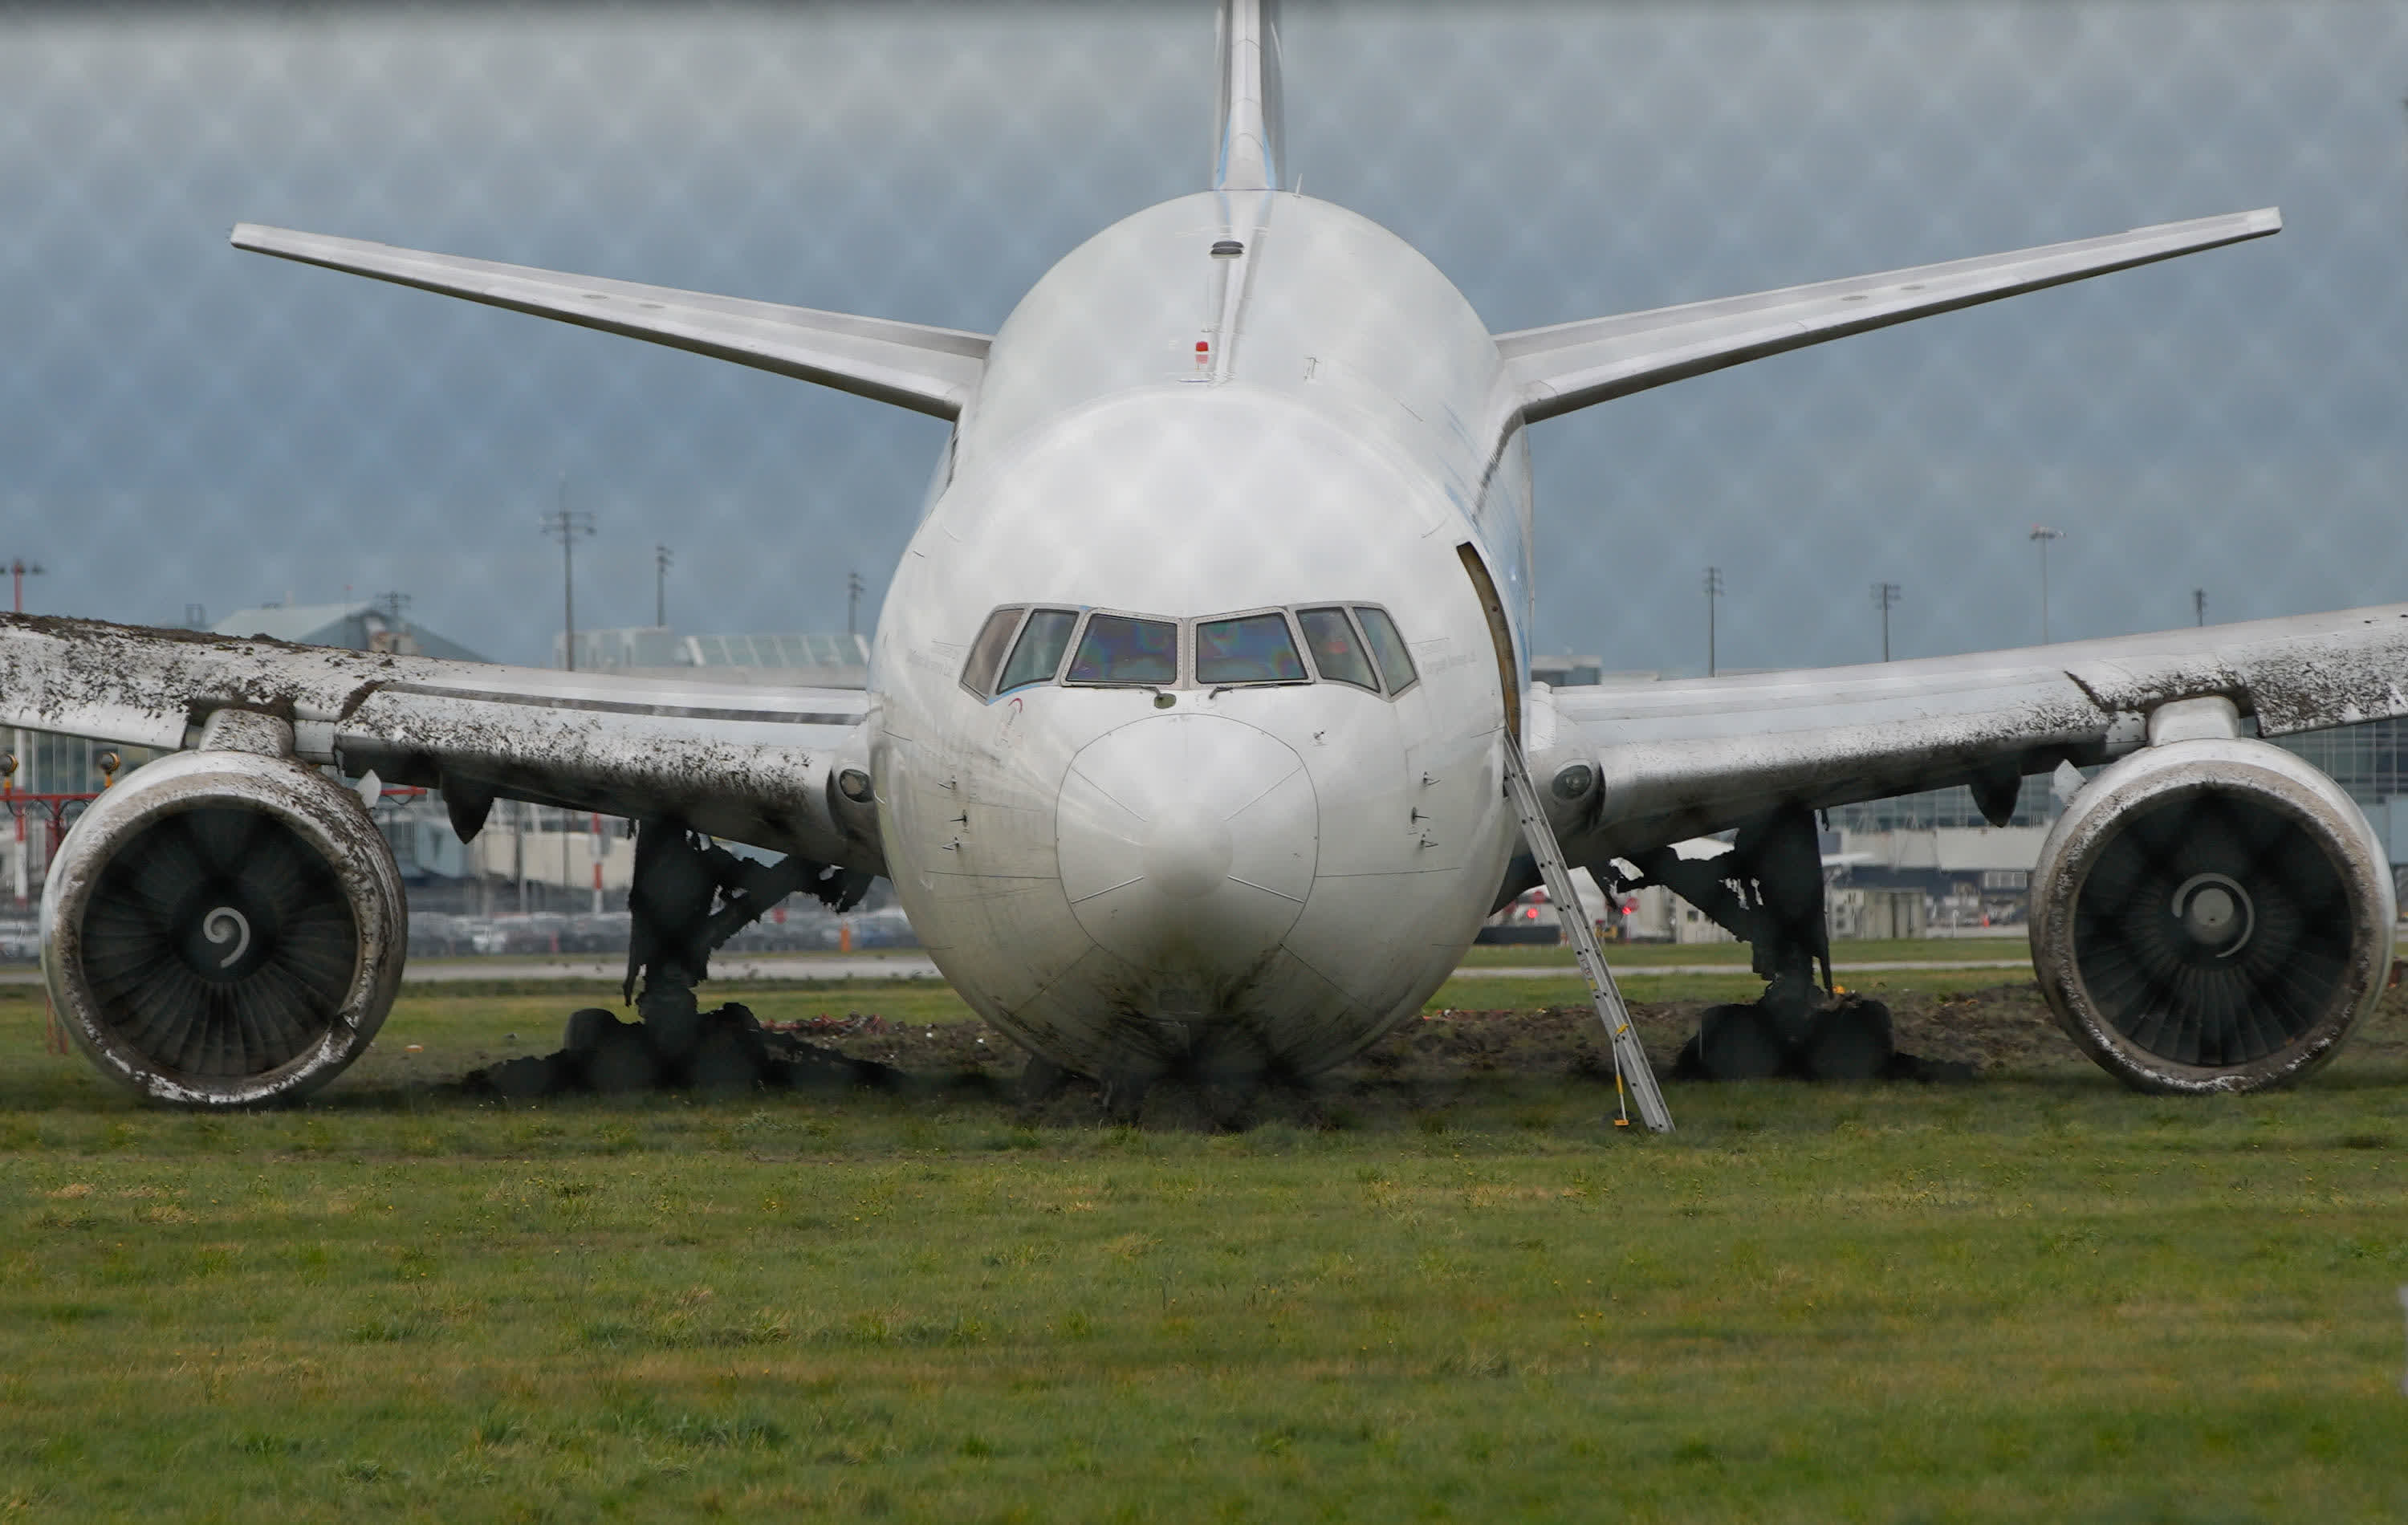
<point>1849,1040</point>
<point>1768,892</point>
<point>689,897</point>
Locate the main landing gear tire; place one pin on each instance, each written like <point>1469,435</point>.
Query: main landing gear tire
<point>1851,1041</point>
<point>616,1060</point>
<point>1737,1042</point>
<point>1848,1041</point>
<point>730,1058</point>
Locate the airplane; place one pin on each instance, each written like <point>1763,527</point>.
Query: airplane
<point>1194,700</point>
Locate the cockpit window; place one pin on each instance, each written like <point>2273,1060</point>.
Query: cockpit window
<point>978,673</point>
<point>1117,649</point>
<point>1249,649</point>
<point>1387,648</point>
<point>1357,644</point>
<point>1039,656</point>
<point>1336,650</point>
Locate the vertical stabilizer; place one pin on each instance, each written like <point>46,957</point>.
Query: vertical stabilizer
<point>1247,148</point>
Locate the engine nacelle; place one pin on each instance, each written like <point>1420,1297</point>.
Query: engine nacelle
<point>2211,914</point>
<point>222,929</point>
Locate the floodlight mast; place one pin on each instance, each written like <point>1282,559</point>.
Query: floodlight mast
<point>567,523</point>
<point>1885,597</point>
<point>1714,594</point>
<point>20,570</point>
<point>2041,536</point>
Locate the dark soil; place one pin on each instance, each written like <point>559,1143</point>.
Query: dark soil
<point>1437,1060</point>
<point>2003,1028</point>
<point>1434,1062</point>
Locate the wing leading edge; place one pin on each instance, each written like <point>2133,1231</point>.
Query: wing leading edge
<point>1701,754</point>
<point>928,370</point>
<point>747,764</point>
<point>1570,366</point>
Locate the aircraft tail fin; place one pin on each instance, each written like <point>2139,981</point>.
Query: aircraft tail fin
<point>1247,147</point>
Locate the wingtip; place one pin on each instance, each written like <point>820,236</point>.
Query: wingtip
<point>2222,227</point>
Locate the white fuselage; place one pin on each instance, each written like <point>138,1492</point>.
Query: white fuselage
<point>1130,879</point>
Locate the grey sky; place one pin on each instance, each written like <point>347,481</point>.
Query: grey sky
<point>181,423</point>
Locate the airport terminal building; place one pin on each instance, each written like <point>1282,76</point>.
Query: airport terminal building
<point>1969,869</point>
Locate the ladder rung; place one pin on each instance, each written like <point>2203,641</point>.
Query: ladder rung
<point>1630,1056</point>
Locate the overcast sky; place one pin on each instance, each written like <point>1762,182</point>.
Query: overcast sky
<point>181,424</point>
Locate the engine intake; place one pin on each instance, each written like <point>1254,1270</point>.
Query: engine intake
<point>2210,916</point>
<point>222,929</point>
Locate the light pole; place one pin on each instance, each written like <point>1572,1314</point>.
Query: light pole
<point>567,525</point>
<point>854,588</point>
<point>2199,605</point>
<point>396,628</point>
<point>2041,536</point>
<point>18,571</point>
<point>661,558</point>
<point>1886,596</point>
<point>1714,594</point>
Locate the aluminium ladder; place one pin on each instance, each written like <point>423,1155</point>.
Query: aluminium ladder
<point>1629,1058</point>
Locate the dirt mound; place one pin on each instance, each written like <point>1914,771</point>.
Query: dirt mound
<point>731,1052</point>
<point>2006,1027</point>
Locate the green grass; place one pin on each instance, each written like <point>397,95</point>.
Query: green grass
<point>2033,1298</point>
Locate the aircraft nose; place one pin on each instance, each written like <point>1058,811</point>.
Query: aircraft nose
<point>1190,838</point>
<point>1188,851</point>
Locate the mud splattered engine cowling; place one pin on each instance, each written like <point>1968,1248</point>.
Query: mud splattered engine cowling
<point>223,928</point>
<point>2211,914</point>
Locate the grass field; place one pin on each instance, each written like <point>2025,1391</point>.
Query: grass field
<point>1443,1291</point>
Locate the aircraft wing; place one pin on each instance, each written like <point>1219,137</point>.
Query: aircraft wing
<point>1699,754</point>
<point>1570,366</point>
<point>749,763</point>
<point>928,370</point>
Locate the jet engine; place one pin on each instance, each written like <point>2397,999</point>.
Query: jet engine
<point>223,928</point>
<point>2211,914</point>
